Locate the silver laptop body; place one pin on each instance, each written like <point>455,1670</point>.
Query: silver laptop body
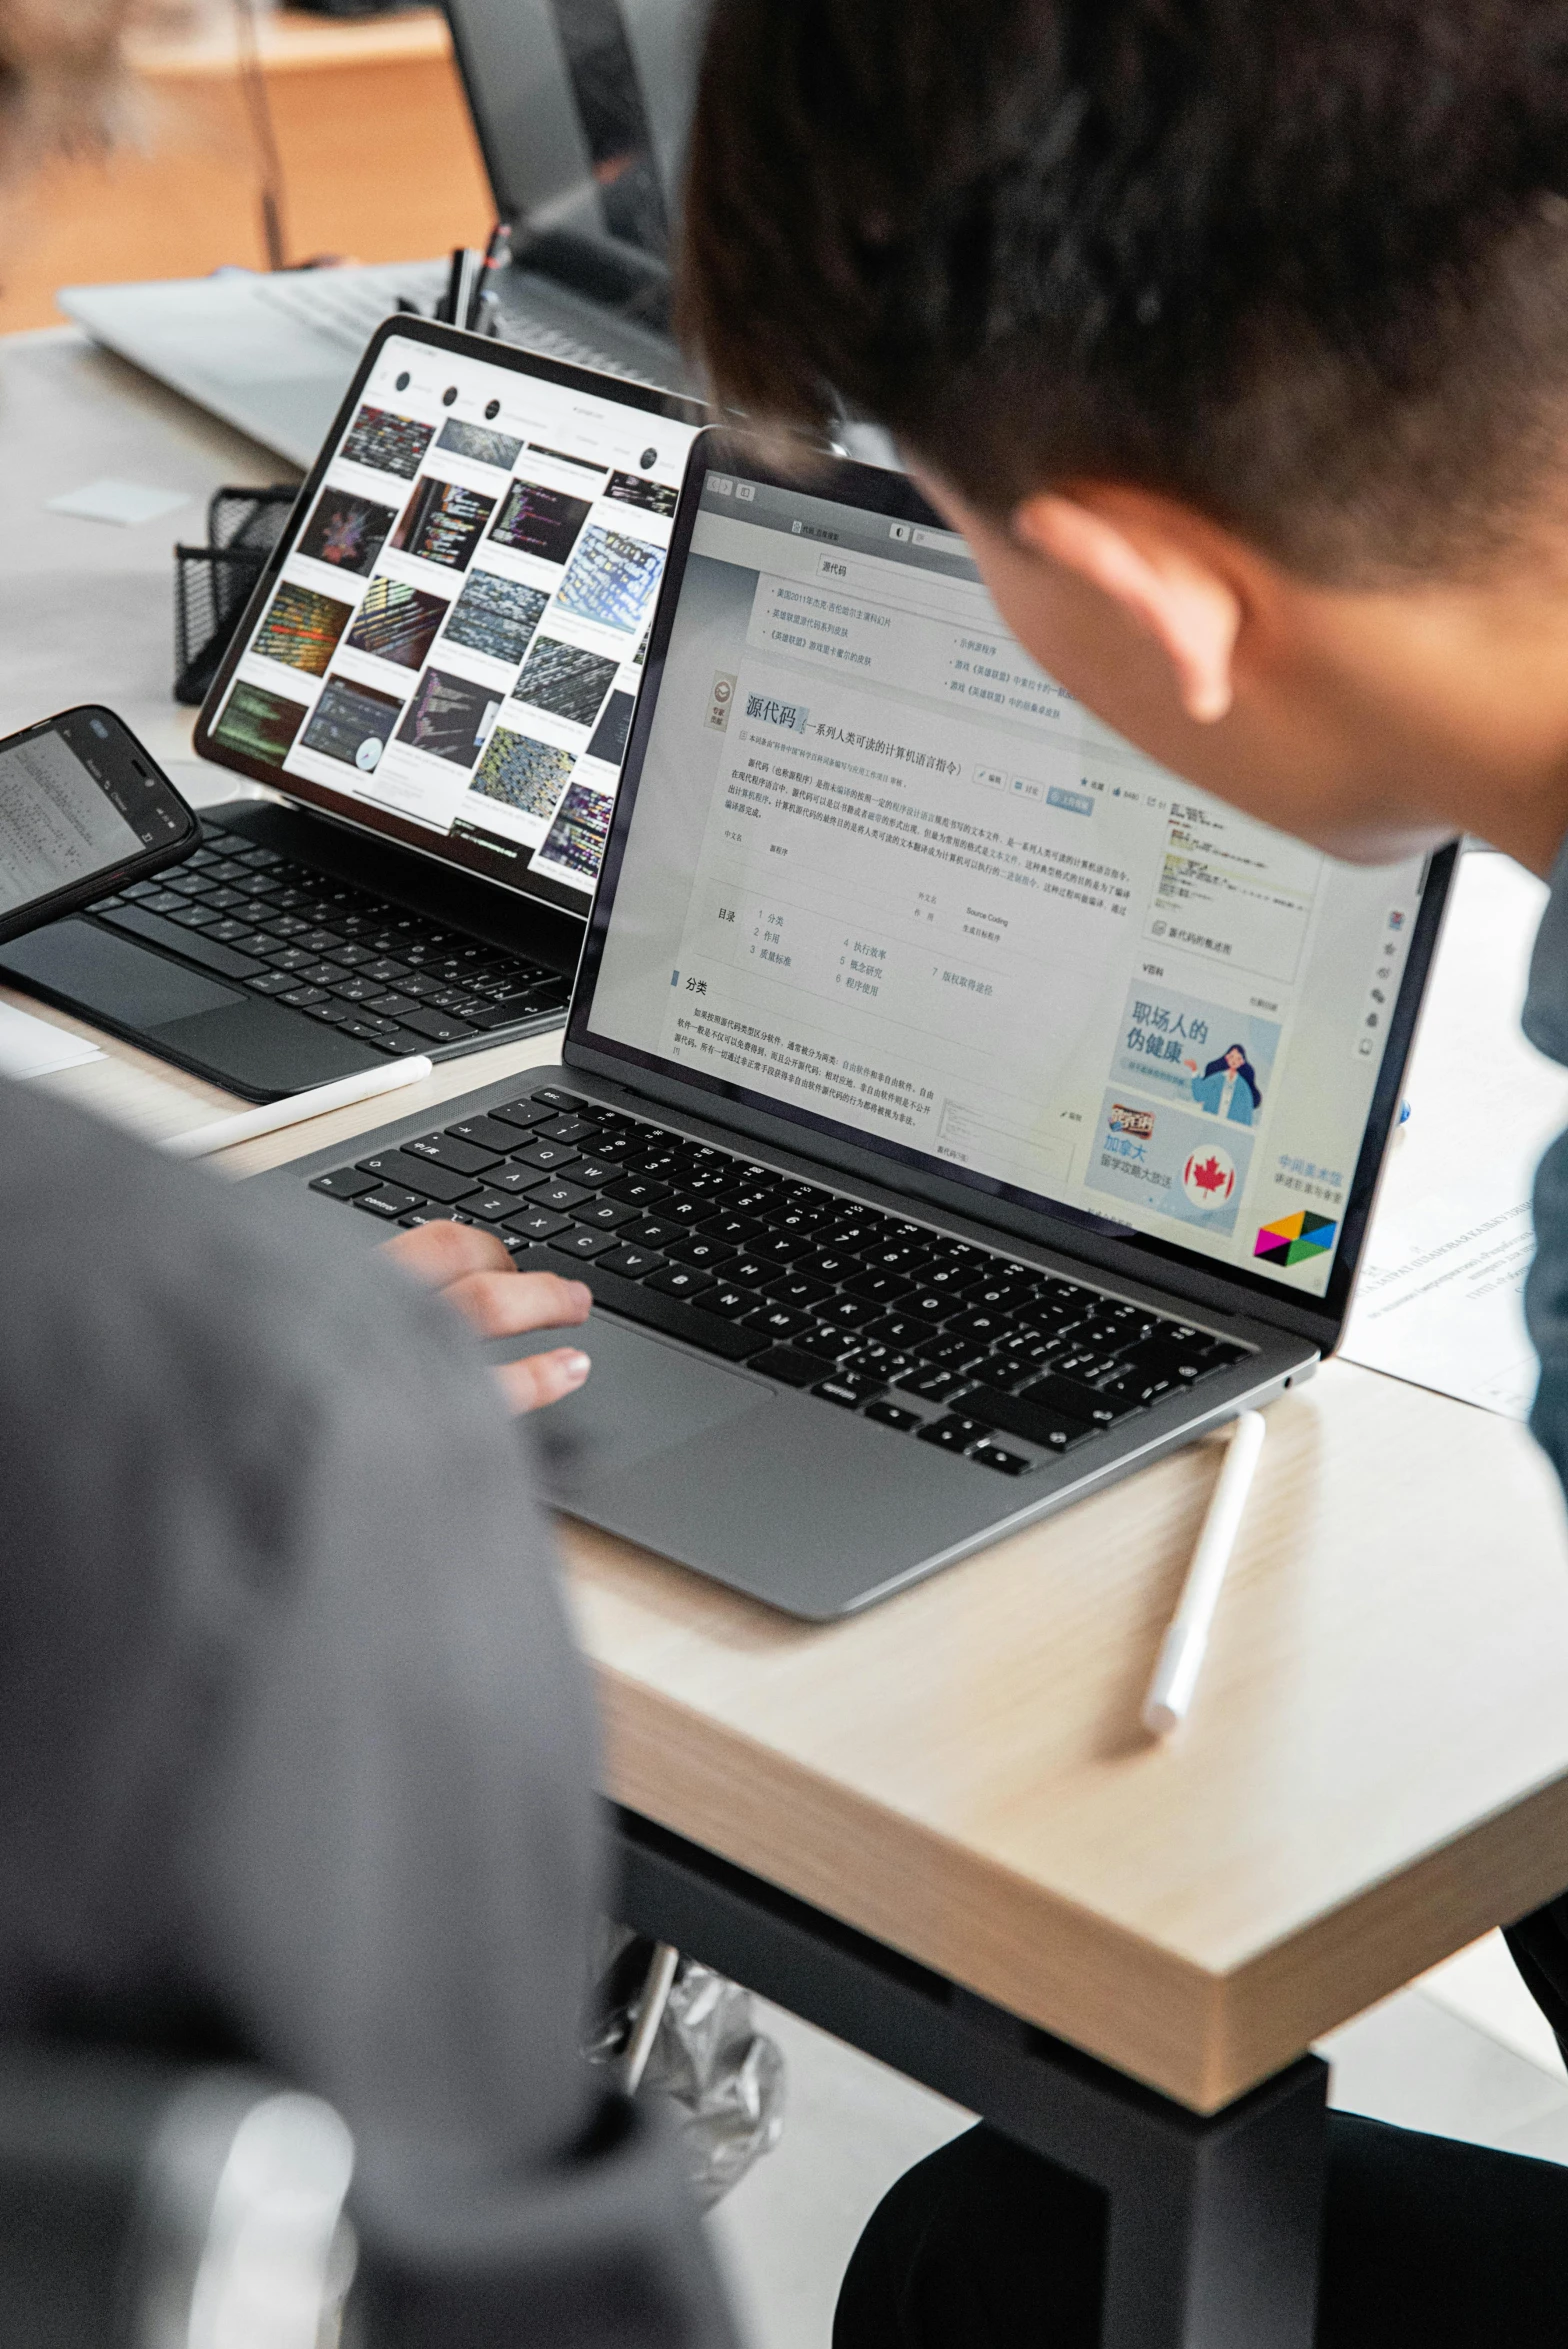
<point>581,114</point>
<point>957,1112</point>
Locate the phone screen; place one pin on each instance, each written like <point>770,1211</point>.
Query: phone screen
<point>72,806</point>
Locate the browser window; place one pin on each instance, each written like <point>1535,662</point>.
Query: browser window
<point>882,869</point>
<point>457,634</point>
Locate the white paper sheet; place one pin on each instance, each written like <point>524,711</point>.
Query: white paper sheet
<point>125,503</point>
<point>33,1048</point>
<point>1440,1298</point>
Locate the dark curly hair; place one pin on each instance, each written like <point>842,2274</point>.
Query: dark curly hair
<point>1300,263</point>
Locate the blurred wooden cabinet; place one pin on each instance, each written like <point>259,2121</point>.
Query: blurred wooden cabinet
<point>378,154</point>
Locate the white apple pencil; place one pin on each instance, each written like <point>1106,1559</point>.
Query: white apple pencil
<point>271,1118</point>
<point>1186,1641</point>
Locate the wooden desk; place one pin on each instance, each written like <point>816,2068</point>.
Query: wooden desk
<point>937,1830</point>
<point>378,153</point>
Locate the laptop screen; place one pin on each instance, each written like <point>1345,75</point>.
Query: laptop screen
<point>452,639</point>
<point>582,109</point>
<point>877,872</point>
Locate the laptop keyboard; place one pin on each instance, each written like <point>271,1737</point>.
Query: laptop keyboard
<point>348,308</point>
<point>948,1343</point>
<point>341,955</point>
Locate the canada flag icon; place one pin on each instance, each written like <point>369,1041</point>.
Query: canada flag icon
<point>1209,1177</point>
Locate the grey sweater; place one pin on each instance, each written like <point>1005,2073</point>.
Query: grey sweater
<point>295,1752</point>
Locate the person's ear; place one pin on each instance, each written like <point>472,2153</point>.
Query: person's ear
<point>1123,545</point>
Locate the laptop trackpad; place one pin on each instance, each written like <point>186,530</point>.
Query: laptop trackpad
<point>110,976</point>
<point>642,1398</point>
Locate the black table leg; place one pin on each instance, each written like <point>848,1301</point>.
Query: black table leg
<point>1213,2222</point>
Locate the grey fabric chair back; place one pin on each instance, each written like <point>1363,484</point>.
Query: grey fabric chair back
<point>152,2205</point>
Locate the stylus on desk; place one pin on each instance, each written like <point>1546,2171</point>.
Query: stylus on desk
<point>1181,1655</point>
<point>273,1116</point>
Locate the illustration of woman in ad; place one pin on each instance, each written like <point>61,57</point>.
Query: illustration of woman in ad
<point>1228,1087</point>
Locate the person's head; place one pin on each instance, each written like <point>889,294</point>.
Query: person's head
<point>1233,332</point>
<point>1235,1059</point>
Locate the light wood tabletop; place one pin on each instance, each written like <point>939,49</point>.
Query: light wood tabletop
<point>1376,1770</point>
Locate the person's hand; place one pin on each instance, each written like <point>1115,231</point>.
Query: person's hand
<point>473,1271</point>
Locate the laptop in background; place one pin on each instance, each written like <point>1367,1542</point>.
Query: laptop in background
<point>957,1111</point>
<point>437,674</point>
<point>581,110</point>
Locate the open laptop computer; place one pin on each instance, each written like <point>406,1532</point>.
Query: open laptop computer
<point>957,1111</point>
<point>581,110</point>
<point>437,674</point>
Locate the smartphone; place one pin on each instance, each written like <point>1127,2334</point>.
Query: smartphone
<point>84,811</point>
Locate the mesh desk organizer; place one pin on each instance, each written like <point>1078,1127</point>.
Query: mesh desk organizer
<point>213,583</point>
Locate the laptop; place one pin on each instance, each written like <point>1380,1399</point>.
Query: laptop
<point>581,110</point>
<point>436,676</point>
<point>956,1111</point>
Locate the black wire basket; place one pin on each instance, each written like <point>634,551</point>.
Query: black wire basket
<point>213,583</point>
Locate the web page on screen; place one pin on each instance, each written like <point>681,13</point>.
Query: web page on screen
<point>882,868</point>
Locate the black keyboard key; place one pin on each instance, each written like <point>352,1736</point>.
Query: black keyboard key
<point>388,1202</point>
<point>954,1351</point>
<point>511,1177</point>
<point>447,1150</point>
<point>849,1389</point>
<point>522,1116</point>
<point>1037,1420</point>
<point>739,1230</point>
<point>638,1190</point>
<point>394,1005</point>
<point>780,1322</point>
<point>193,945</point>
<point>933,1386</point>
<point>733,1303</point>
<point>790,1368</point>
<point>993,1456</point>
<point>696,1248</point>
<point>597,1172</point>
<point>553,1097</point>
<point>486,1133</point>
<point>426,1182</point>
<point>537,1223</point>
<point>548,1156</point>
<point>680,1280</point>
<point>346,1182</point>
<point>634,1264</point>
<point>271,983</point>
<point>829,1345</point>
<point>386,968</point>
<point>583,1244</point>
<point>881,1288</point>
<point>1224,1355</point>
<point>301,998</point>
<point>569,1129</point>
<point>906,1330</point>
<point>491,1206</point>
<point>832,1265</point>
<point>794,1288</point>
<point>953,1434</point>
<point>436,1026</point>
<point>1133,1390</point>
<point>731,1341</point>
<point>605,1215</point>
<point>512,1009</point>
<point>653,1233</point>
<point>850,1312</point>
<point>888,1414</point>
<point>331,1014</point>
